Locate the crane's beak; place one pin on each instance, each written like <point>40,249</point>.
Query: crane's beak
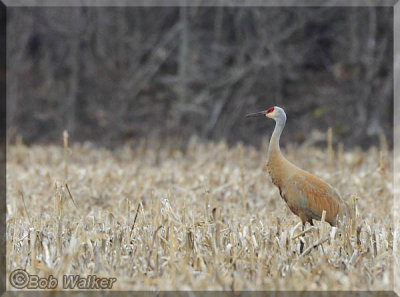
<point>256,114</point>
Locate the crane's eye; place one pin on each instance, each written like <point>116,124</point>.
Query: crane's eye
<point>271,109</point>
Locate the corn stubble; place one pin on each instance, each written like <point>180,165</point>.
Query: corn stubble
<point>204,218</point>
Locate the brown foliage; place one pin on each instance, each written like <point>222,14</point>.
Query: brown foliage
<point>206,218</point>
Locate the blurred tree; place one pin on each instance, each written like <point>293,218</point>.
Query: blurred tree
<point>116,74</point>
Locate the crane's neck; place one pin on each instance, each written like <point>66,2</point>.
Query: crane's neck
<point>276,135</point>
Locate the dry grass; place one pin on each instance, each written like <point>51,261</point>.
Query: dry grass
<point>208,218</point>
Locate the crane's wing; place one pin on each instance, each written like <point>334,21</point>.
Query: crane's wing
<point>312,195</point>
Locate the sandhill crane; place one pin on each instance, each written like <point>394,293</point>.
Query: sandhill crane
<point>306,195</point>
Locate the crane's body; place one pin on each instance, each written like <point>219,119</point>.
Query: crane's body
<point>306,195</point>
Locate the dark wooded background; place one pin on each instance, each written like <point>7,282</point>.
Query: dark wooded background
<point>112,75</point>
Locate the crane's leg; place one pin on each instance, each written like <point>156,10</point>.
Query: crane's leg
<point>301,239</point>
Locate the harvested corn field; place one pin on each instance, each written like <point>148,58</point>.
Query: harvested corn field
<point>207,217</point>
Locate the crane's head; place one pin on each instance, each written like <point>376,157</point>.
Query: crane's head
<point>274,112</point>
